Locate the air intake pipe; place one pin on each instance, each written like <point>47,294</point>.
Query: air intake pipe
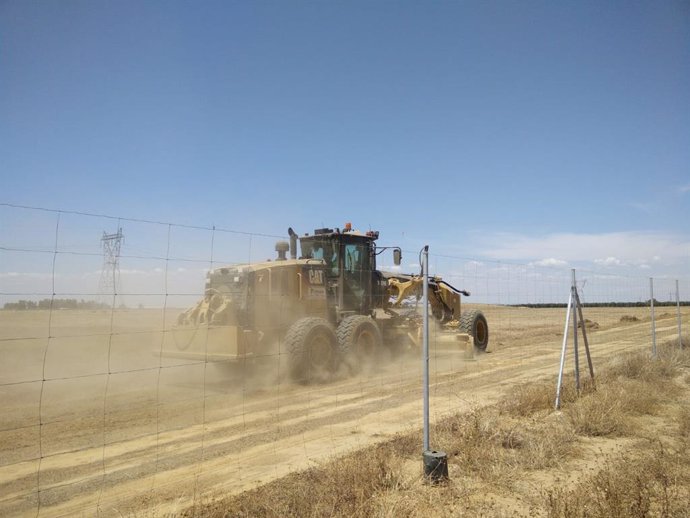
<point>281,248</point>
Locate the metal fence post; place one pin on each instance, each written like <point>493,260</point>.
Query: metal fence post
<point>425,342</point>
<point>680,333</point>
<point>651,306</point>
<point>576,352</point>
<point>435,461</point>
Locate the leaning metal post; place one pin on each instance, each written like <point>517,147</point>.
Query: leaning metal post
<point>563,351</point>
<point>578,305</point>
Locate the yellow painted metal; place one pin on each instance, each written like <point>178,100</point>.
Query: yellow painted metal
<point>208,342</point>
<point>441,298</point>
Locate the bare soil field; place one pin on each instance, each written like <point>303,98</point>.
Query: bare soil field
<point>94,421</point>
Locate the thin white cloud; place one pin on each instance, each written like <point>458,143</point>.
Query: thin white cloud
<point>609,261</point>
<point>631,248</point>
<point>29,275</point>
<point>684,188</point>
<point>550,261</point>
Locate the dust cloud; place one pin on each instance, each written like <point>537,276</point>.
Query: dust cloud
<point>93,416</point>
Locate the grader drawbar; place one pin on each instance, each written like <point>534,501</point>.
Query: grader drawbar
<point>326,308</point>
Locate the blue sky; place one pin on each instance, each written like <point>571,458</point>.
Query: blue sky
<point>554,133</point>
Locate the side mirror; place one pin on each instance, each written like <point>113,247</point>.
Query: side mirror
<point>397,256</point>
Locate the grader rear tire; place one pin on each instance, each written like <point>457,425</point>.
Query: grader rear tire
<point>313,349</point>
<point>359,339</point>
<point>474,324</point>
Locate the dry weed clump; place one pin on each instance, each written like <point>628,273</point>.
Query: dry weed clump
<point>533,398</point>
<point>672,350</point>
<point>599,415</point>
<point>637,366</point>
<point>640,398</point>
<point>529,398</point>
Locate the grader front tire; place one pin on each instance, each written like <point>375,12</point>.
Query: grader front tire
<point>474,324</point>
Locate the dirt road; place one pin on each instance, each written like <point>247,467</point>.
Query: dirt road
<point>93,421</point>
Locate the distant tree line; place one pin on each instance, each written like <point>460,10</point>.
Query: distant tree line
<point>55,304</point>
<point>644,304</point>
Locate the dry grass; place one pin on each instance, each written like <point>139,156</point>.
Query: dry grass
<point>497,449</point>
<point>344,487</point>
<point>653,478</point>
<point>654,482</point>
<point>638,366</point>
<point>529,399</point>
<point>683,417</point>
<point>684,423</point>
<point>600,414</point>
<point>492,450</point>
<point>611,410</point>
<point>631,385</point>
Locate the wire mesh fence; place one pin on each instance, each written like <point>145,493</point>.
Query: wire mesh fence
<point>120,392</point>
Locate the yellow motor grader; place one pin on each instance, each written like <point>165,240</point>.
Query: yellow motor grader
<point>327,306</point>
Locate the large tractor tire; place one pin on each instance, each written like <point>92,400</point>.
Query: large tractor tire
<point>474,324</point>
<point>313,350</point>
<point>359,339</point>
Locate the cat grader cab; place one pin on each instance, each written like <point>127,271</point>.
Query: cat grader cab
<point>327,308</point>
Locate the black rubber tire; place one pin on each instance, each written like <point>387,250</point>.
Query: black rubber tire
<point>313,349</point>
<point>359,339</point>
<point>474,324</point>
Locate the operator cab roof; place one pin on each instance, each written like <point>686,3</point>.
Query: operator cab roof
<point>347,231</point>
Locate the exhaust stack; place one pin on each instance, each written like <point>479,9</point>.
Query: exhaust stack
<point>293,243</point>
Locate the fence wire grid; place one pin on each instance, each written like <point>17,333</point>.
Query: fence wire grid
<point>99,418</point>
